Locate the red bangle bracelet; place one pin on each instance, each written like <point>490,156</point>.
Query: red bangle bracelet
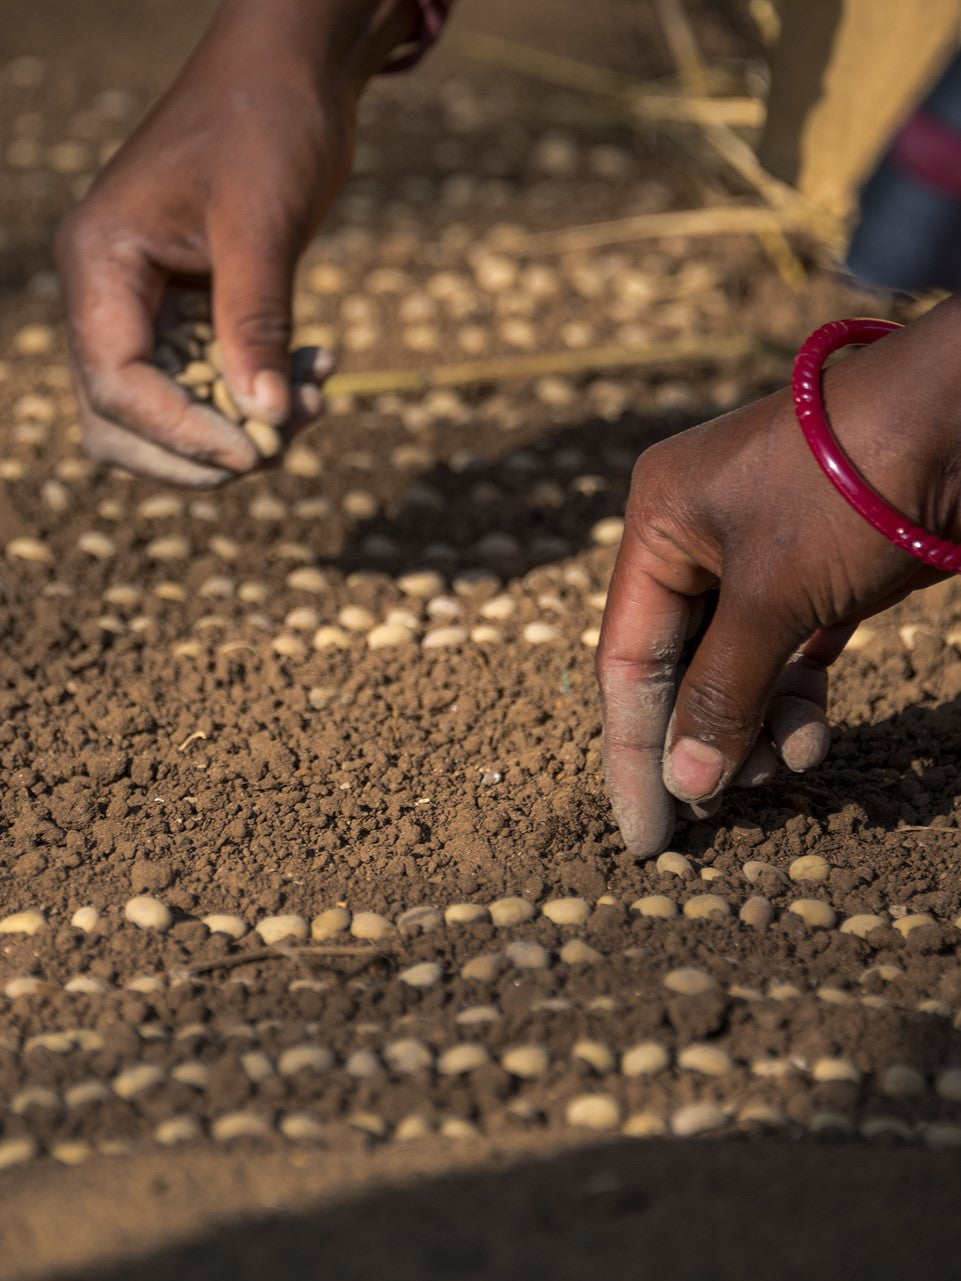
<point>432,16</point>
<point>838,467</point>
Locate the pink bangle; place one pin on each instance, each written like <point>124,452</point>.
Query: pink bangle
<point>433,15</point>
<point>826,448</point>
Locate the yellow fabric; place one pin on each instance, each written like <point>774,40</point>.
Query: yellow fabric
<point>845,74</point>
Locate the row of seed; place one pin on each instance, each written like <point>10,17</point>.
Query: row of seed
<point>595,1112</point>
<point>151,913</point>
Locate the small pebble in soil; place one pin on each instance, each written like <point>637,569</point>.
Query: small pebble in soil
<point>647,1058</point>
<point>28,922</point>
<point>815,914</point>
<point>274,929</point>
<point>148,913</point>
<point>593,1112</point>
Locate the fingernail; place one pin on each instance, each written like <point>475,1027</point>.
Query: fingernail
<point>310,399</point>
<point>270,395</point>
<point>693,769</point>
<point>806,747</point>
<point>324,364</point>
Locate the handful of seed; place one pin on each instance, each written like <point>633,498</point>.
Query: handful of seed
<point>188,351</point>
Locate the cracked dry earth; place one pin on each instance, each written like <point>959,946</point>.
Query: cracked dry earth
<point>313,920</point>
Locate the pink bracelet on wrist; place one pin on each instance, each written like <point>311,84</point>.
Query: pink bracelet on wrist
<point>433,15</point>
<point>838,467</point>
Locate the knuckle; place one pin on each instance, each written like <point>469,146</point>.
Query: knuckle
<point>709,704</point>
<point>265,325</point>
<point>73,239</point>
<point>96,447</point>
<point>101,394</point>
<point>654,506</point>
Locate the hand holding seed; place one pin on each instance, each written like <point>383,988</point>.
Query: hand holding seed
<point>737,510</point>
<point>223,184</point>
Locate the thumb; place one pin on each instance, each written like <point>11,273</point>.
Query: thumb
<point>253,269</point>
<point>722,700</point>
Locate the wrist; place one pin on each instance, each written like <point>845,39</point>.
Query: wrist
<point>895,407</point>
<point>335,43</point>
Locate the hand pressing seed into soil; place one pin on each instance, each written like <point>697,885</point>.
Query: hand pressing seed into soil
<point>225,182</point>
<point>738,512</point>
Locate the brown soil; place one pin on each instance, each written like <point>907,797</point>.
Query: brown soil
<point>158,740</point>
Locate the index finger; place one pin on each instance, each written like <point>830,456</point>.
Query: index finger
<point>642,637</point>
<point>112,294</point>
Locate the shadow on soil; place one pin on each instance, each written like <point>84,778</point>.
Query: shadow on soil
<point>704,1211</point>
